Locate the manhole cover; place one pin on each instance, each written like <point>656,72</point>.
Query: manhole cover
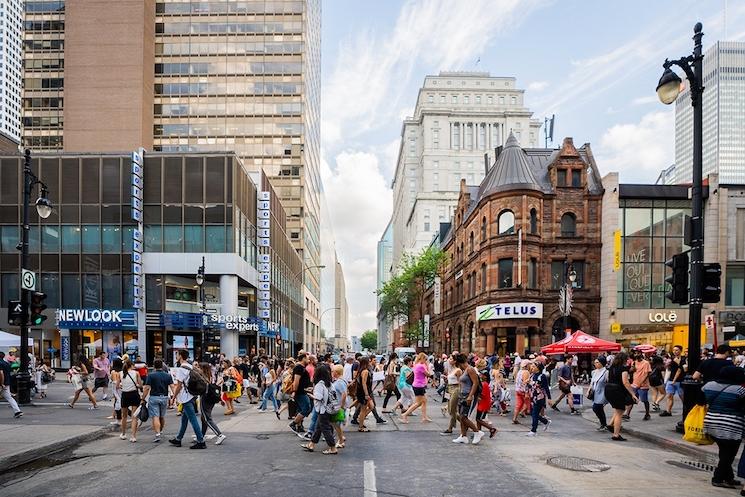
<point>262,437</point>
<point>694,465</point>
<point>578,464</point>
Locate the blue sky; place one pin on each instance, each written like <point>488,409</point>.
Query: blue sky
<point>595,64</point>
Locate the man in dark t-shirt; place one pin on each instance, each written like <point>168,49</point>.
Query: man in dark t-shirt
<point>301,384</point>
<point>157,385</point>
<point>709,369</point>
<point>566,380</point>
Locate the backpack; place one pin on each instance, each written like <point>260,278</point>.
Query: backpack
<point>212,395</point>
<point>333,401</point>
<point>287,383</point>
<point>196,383</point>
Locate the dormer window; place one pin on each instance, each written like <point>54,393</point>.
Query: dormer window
<point>577,178</point>
<point>561,177</point>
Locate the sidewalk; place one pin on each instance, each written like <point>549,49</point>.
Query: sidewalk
<point>660,431</point>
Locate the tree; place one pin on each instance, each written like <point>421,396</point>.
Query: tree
<point>403,295</point>
<point>369,340</point>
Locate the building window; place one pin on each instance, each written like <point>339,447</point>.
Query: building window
<point>470,243</point>
<point>455,99</point>
<point>483,277</point>
<point>483,230</point>
<point>576,178</point>
<point>506,223</point>
<point>579,269</point>
<point>740,232</point>
<point>557,274</point>
<point>561,177</point>
<point>568,224</point>
<point>442,99</point>
<point>513,100</point>
<point>734,287</point>
<point>430,98</point>
<point>426,226</point>
<point>505,273</point>
<point>490,100</point>
<point>478,99</point>
<point>456,136</point>
<point>533,221</point>
<point>466,99</point>
<point>533,273</point>
<point>501,100</point>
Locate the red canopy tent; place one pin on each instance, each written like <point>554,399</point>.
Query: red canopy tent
<point>579,343</point>
<point>646,348</point>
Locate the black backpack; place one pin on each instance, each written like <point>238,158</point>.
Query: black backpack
<point>196,383</point>
<point>212,395</point>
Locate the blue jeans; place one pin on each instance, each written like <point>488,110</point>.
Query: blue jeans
<point>189,415</point>
<point>269,395</point>
<point>313,421</point>
<point>535,412</point>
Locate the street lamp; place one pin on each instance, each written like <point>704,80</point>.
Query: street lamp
<point>571,275</point>
<point>200,284</point>
<point>301,275</point>
<point>44,210</point>
<point>668,90</point>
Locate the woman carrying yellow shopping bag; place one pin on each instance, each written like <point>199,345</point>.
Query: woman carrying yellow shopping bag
<point>724,421</point>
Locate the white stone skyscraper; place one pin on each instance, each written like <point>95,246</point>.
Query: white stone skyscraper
<point>11,68</point>
<point>724,118</point>
<point>459,117</point>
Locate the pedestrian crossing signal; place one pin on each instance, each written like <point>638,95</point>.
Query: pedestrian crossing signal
<point>37,308</point>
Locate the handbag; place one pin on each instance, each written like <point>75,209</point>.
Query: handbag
<point>591,394</point>
<point>390,382</point>
<point>144,413</point>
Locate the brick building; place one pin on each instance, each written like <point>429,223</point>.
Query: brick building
<point>534,219</point>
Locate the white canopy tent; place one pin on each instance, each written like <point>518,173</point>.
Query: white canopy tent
<point>10,340</point>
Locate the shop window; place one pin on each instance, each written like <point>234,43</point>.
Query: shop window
<point>568,225</point>
<point>505,273</point>
<point>506,223</point>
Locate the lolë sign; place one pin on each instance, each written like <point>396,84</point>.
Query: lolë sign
<point>663,317</point>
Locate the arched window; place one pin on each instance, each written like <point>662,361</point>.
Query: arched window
<point>506,223</point>
<point>483,230</point>
<point>470,243</point>
<point>568,224</point>
<point>461,251</point>
<point>533,222</point>
<point>483,277</point>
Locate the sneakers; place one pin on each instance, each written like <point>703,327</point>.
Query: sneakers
<point>292,426</point>
<point>446,433</point>
<point>553,406</point>
<point>18,414</point>
<point>156,439</point>
<point>665,414</point>
<point>477,437</point>
<point>545,427</point>
<point>530,434</point>
<point>261,410</point>
<point>626,417</point>
<point>175,442</point>
<point>114,423</point>
<point>305,436</point>
<point>460,440</point>
<point>122,436</point>
<point>646,417</point>
<point>220,439</point>
<point>133,440</point>
<point>381,421</point>
<point>575,412</point>
<point>93,408</point>
<point>601,428</point>
<point>198,445</point>
<point>105,397</point>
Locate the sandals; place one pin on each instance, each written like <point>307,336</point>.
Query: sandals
<point>339,445</point>
<point>492,432</point>
<point>364,430</point>
<point>307,448</point>
<point>330,452</point>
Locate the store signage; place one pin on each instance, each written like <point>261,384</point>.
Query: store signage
<point>64,348</point>
<point>616,251</point>
<point>731,316</point>
<point>514,310</point>
<point>97,319</point>
<point>615,328</point>
<point>710,321</point>
<point>663,317</point>
<point>438,294</point>
<point>263,206</point>
<point>138,160</point>
<point>245,324</point>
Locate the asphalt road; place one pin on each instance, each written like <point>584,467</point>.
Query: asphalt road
<point>262,457</point>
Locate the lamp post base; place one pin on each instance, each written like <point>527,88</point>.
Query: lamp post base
<point>23,380</point>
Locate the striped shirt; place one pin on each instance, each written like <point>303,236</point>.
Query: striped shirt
<point>726,415</point>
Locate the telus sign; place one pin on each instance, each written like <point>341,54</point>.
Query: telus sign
<point>514,310</point>
<point>97,319</point>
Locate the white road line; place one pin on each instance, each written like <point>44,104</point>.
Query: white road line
<point>371,489</point>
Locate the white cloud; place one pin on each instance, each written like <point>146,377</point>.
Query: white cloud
<point>638,151</point>
<point>649,99</point>
<point>360,204</point>
<point>371,73</point>
<point>537,86</point>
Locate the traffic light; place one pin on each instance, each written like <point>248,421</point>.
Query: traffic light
<point>712,288</point>
<point>16,311</point>
<point>678,281</point>
<point>37,308</point>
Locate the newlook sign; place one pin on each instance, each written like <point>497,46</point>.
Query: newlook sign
<point>97,319</point>
<point>514,310</point>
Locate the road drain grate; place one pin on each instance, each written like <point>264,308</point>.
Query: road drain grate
<point>262,436</point>
<point>578,464</point>
<point>694,465</point>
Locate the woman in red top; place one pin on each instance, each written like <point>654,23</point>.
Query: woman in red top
<point>484,405</point>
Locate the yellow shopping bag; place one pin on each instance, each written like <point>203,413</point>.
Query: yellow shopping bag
<point>694,427</point>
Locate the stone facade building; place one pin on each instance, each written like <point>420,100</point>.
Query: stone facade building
<point>533,219</point>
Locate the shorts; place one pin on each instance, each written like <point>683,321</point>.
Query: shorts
<point>304,405</point>
<point>673,388</point>
<point>157,406</point>
<point>130,399</point>
<point>642,393</point>
<point>420,391</point>
<point>565,388</point>
<point>465,408</point>
<point>101,382</point>
<point>480,415</point>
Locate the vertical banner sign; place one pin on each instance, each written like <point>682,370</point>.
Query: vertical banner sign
<point>263,214</point>
<point>438,294</point>
<point>520,257</point>
<point>616,251</point>
<point>137,238</point>
<point>426,330</point>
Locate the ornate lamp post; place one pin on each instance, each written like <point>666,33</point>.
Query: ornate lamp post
<point>200,284</point>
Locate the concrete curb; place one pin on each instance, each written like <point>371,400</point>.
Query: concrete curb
<point>25,457</point>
